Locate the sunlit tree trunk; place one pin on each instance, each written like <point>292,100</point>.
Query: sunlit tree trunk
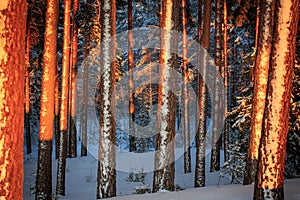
<point>165,137</point>
<point>63,118</point>
<point>260,86</point>
<point>44,168</point>
<point>107,143</point>
<point>226,104</point>
<point>132,140</point>
<point>187,148</point>
<point>272,151</point>
<point>202,91</point>
<point>12,62</point>
<point>73,77</point>
<point>27,91</point>
<point>216,100</point>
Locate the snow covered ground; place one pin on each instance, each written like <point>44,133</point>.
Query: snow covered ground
<point>82,173</point>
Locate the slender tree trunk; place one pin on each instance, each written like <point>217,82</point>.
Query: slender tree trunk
<point>260,86</point>
<point>12,62</point>
<point>83,119</point>
<point>44,168</point>
<point>73,83</point>
<point>165,137</point>
<point>202,91</point>
<point>132,140</point>
<point>56,114</point>
<point>226,104</point>
<point>187,148</point>
<point>61,167</point>
<point>106,187</point>
<point>272,151</point>
<point>27,91</point>
<point>216,129</point>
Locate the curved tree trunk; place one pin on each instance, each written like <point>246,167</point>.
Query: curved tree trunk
<point>260,86</point>
<point>12,61</point>
<point>61,167</point>
<point>44,169</point>
<point>272,151</point>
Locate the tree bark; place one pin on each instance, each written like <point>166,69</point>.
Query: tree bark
<point>187,148</point>
<point>216,100</point>
<point>106,187</point>
<point>12,61</point>
<point>44,168</point>
<point>202,91</point>
<point>272,151</point>
<point>61,167</point>
<point>73,84</point>
<point>165,137</point>
<point>260,86</point>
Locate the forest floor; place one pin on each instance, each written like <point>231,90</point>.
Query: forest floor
<point>81,180</point>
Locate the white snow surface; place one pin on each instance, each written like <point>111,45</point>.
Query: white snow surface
<point>81,181</point>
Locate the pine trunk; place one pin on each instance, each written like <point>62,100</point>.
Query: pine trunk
<point>12,62</point>
<point>73,83</point>
<point>61,167</point>
<point>202,91</point>
<point>27,91</point>
<point>187,148</point>
<point>106,187</point>
<point>260,86</point>
<point>272,151</point>
<point>216,100</point>
<point>44,168</point>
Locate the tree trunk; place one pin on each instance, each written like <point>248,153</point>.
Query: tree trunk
<point>44,168</point>
<point>73,84</point>
<point>272,151</point>
<point>260,86</point>
<point>216,100</point>
<point>12,62</point>
<point>61,167</point>
<point>132,139</point>
<point>187,148</point>
<point>202,91</point>
<point>106,187</point>
<point>27,91</point>
<point>165,137</point>
<point>226,104</point>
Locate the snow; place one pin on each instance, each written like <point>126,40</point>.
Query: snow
<point>81,180</point>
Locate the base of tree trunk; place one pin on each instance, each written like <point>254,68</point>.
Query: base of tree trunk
<point>264,194</point>
<point>250,171</point>
<point>44,171</point>
<point>61,163</point>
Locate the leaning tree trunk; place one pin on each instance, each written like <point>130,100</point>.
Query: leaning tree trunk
<point>12,61</point>
<point>165,144</point>
<point>186,129</point>
<point>202,91</point>
<point>260,86</point>
<point>73,76</point>
<point>106,187</point>
<point>61,167</point>
<point>216,129</point>
<point>44,168</point>
<point>272,151</point>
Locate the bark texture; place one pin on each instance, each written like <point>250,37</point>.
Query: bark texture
<point>272,151</point>
<point>12,61</point>
<point>260,86</point>
<point>106,187</point>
